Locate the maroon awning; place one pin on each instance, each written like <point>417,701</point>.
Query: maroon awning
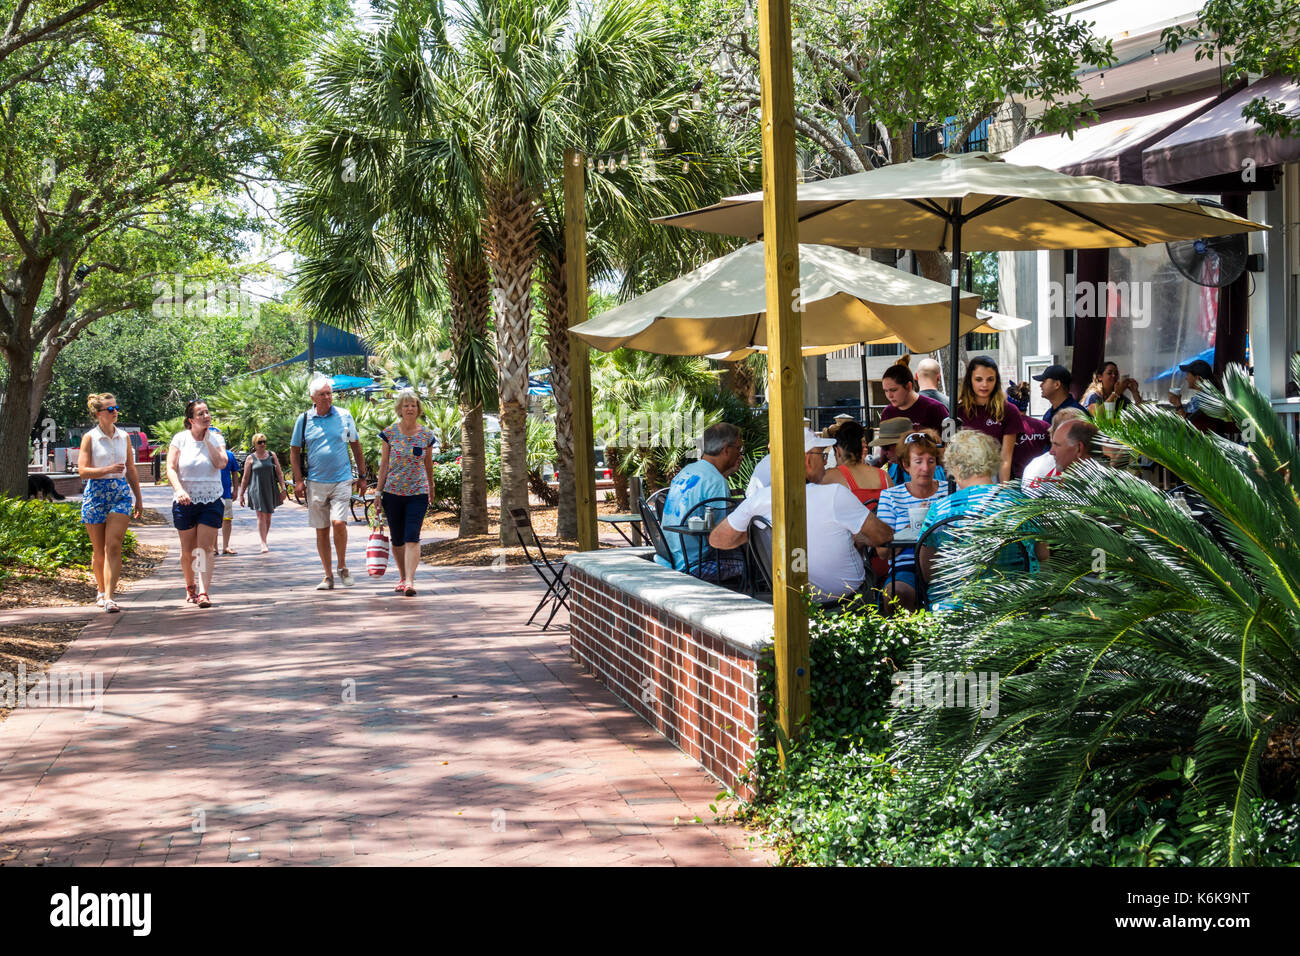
<point>1221,141</point>
<point>1112,147</point>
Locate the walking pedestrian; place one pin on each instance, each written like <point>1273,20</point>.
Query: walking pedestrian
<point>111,495</point>
<point>322,436</point>
<point>194,462</point>
<point>404,483</point>
<point>263,486</point>
<point>229,475</point>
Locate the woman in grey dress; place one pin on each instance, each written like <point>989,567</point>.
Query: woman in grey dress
<point>263,486</point>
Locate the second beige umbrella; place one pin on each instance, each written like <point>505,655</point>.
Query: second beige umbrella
<point>719,307</point>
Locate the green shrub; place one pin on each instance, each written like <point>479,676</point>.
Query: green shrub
<point>446,488</point>
<point>45,535</point>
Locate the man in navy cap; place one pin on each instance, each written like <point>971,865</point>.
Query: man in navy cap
<point>1198,371</point>
<point>1055,383</point>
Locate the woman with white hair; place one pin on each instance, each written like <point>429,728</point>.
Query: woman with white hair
<point>973,459</point>
<point>404,484</point>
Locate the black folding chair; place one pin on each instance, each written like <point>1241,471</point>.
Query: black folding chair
<point>653,530</point>
<point>557,588</point>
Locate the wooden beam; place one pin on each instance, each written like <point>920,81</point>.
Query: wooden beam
<point>575,263</point>
<point>784,366</point>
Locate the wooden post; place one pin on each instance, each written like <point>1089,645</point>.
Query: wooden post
<point>785,366</point>
<point>575,258</point>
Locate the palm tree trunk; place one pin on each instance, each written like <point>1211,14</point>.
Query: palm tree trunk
<point>555,286</point>
<point>468,285</point>
<point>622,494</point>
<point>510,237</point>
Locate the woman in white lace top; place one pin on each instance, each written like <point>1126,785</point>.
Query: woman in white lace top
<point>194,463</point>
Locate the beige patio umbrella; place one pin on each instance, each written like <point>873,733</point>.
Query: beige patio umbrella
<point>975,201</point>
<point>719,308</point>
<point>991,322</point>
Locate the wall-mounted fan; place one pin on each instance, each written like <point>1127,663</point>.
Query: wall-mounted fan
<point>1215,262</point>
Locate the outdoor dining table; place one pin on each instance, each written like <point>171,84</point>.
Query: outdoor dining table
<point>619,520</point>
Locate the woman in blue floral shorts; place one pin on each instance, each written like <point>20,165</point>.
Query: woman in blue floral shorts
<point>111,495</point>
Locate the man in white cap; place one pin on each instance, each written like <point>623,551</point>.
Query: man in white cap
<point>761,476</point>
<point>837,522</point>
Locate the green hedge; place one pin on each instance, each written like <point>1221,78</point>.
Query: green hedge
<point>45,535</point>
<point>842,800</point>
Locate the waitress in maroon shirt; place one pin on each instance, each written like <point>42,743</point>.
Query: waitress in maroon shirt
<point>983,406</point>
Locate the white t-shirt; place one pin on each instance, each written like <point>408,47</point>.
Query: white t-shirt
<point>762,476</point>
<point>201,481</point>
<point>1036,472</point>
<point>108,451</point>
<point>834,516</point>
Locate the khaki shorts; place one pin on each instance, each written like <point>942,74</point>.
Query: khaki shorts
<point>328,501</point>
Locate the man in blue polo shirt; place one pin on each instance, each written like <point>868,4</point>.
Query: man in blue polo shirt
<point>326,433</point>
<point>721,448</point>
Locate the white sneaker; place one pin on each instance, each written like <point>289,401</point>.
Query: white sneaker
<point>326,584</point>
<point>346,577</point>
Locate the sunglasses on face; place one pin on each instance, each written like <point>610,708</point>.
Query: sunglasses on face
<point>261,443</point>
<point>109,408</point>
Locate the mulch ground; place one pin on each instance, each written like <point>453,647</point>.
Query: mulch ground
<point>36,647</point>
<point>27,587</point>
<point>486,549</point>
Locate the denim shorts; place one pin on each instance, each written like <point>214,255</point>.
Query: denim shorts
<point>209,513</point>
<point>405,515</point>
<point>103,497</point>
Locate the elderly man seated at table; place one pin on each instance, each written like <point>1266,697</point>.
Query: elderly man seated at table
<point>1044,467</point>
<point>836,523</point>
<point>973,459</point>
<point>721,448</point>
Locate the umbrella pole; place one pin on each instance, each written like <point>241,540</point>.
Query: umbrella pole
<point>955,279</point>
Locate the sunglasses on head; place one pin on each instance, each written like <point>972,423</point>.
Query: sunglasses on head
<point>915,437</point>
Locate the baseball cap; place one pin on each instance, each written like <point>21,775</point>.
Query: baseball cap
<point>890,431</point>
<point>1199,368</point>
<point>811,441</point>
<point>1058,372</point>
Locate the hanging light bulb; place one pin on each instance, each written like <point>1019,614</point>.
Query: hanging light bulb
<point>623,162</point>
<point>686,166</point>
<point>1103,81</point>
<point>601,164</point>
<point>577,159</point>
<point>673,124</point>
<point>752,165</point>
<point>1155,58</point>
<point>644,153</point>
<point>661,140</point>
<point>591,164</point>
<point>697,102</point>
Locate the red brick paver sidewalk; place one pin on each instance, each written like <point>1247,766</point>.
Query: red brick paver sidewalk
<point>286,725</point>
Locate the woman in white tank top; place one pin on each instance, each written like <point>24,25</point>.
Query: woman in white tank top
<point>111,495</point>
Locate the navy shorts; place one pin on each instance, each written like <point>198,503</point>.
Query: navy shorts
<point>405,515</point>
<point>209,513</point>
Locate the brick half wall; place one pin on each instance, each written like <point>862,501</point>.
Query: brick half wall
<point>682,653</point>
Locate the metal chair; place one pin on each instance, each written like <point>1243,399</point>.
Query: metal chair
<point>656,501</point>
<point>759,548</point>
<point>557,588</point>
<point>653,530</point>
<point>923,583</point>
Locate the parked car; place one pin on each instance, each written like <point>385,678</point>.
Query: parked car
<point>140,442</point>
